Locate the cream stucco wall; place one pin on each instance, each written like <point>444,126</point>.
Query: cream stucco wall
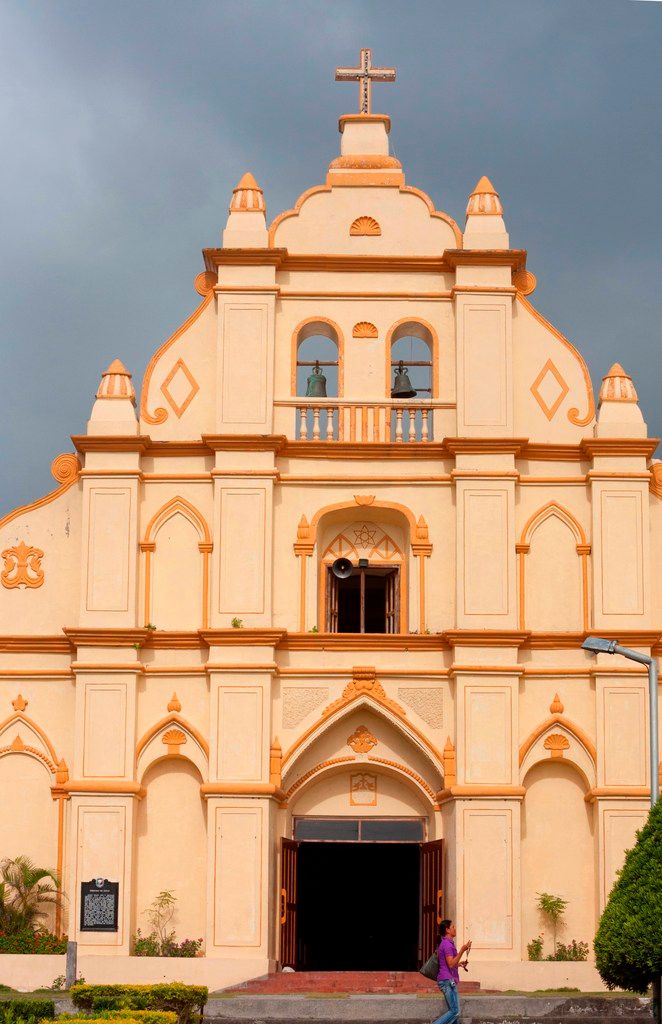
<point>145,738</point>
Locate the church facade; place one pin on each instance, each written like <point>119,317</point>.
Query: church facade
<point>307,653</point>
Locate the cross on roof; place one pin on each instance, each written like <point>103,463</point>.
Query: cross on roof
<point>365,75</point>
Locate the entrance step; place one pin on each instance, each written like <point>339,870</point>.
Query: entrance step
<point>325,1008</point>
<point>348,982</point>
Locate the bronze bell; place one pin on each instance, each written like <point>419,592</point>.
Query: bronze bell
<point>316,385</point>
<point>402,385</point>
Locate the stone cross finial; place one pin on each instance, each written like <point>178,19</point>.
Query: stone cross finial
<point>365,75</point>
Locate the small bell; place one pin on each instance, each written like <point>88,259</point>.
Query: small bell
<point>402,385</point>
<point>316,385</point>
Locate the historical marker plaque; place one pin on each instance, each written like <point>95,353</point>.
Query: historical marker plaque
<point>99,905</point>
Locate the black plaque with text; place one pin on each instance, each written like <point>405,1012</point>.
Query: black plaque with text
<point>99,905</point>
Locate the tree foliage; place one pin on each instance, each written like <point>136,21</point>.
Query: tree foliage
<point>628,944</point>
<point>27,893</point>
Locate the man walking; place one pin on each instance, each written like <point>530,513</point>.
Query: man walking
<point>448,977</point>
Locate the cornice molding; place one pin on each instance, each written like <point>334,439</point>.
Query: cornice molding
<point>111,443</point>
<point>515,258</point>
<point>244,442</point>
<point>97,636</point>
<point>624,446</point>
<point>363,642</point>
<point>243,637</point>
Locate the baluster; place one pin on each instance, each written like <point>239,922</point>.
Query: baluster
<point>386,436</point>
<point>376,412</point>
<point>303,423</point>
<point>352,423</point>
<point>364,423</point>
<point>398,426</point>
<point>316,423</point>
<point>412,425</point>
<point>424,424</point>
<point>341,422</point>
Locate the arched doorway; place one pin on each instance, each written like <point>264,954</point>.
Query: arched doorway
<point>362,869</point>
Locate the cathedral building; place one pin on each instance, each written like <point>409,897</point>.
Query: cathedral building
<point>297,634</point>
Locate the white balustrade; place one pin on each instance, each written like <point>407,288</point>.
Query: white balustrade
<point>401,421</point>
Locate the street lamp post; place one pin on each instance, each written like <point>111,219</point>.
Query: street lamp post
<point>598,645</point>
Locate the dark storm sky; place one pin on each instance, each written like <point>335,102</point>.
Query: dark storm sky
<point>125,126</point>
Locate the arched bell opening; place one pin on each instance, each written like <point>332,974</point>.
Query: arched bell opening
<point>317,377</point>
<point>412,378</point>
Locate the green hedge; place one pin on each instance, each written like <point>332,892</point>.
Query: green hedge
<point>126,1016</point>
<point>176,997</point>
<point>628,943</point>
<point>26,1009</point>
<point>29,941</point>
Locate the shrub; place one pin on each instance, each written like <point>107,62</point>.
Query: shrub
<point>176,997</point>
<point>534,948</point>
<point>572,951</point>
<point>138,1016</point>
<point>553,908</point>
<point>628,944</point>
<point>27,892</point>
<point>29,941</point>
<point>14,1010</point>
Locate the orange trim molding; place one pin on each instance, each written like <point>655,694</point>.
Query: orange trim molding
<point>66,469</point>
<point>160,414</point>
<point>559,719</point>
<point>573,414</point>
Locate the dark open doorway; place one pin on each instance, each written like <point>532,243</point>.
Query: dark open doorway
<point>358,906</point>
<point>367,601</point>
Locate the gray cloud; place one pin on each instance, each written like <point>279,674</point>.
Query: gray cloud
<point>126,126</point>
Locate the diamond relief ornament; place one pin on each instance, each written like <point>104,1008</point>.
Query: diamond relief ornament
<point>180,388</point>
<point>549,389</point>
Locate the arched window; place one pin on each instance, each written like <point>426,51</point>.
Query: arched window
<point>317,341</point>
<point>413,343</point>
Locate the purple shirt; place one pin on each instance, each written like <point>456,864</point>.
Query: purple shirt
<point>446,973</point>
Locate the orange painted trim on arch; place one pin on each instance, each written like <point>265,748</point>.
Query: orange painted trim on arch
<point>20,716</point>
<point>429,747</point>
<point>573,414</point>
<point>160,414</point>
<point>182,723</point>
<point>345,505</point>
<point>434,354</point>
<point>189,511</point>
<point>553,509</point>
<point>60,860</point>
<point>65,472</point>
<point>578,733</point>
<point>340,345</point>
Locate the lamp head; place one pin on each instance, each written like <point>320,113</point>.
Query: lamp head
<point>598,645</point>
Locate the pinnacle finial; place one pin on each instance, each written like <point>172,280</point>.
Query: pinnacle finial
<point>617,386</point>
<point>116,382</point>
<point>247,197</point>
<point>484,201</point>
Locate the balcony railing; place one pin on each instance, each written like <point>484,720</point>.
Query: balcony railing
<point>331,419</point>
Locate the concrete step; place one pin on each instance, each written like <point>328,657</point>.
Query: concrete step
<point>421,1009</point>
<point>349,982</point>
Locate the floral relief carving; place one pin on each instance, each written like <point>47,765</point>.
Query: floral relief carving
<point>22,567</point>
<point>428,703</point>
<point>363,790</point>
<point>362,740</point>
<point>19,703</point>
<point>300,701</point>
